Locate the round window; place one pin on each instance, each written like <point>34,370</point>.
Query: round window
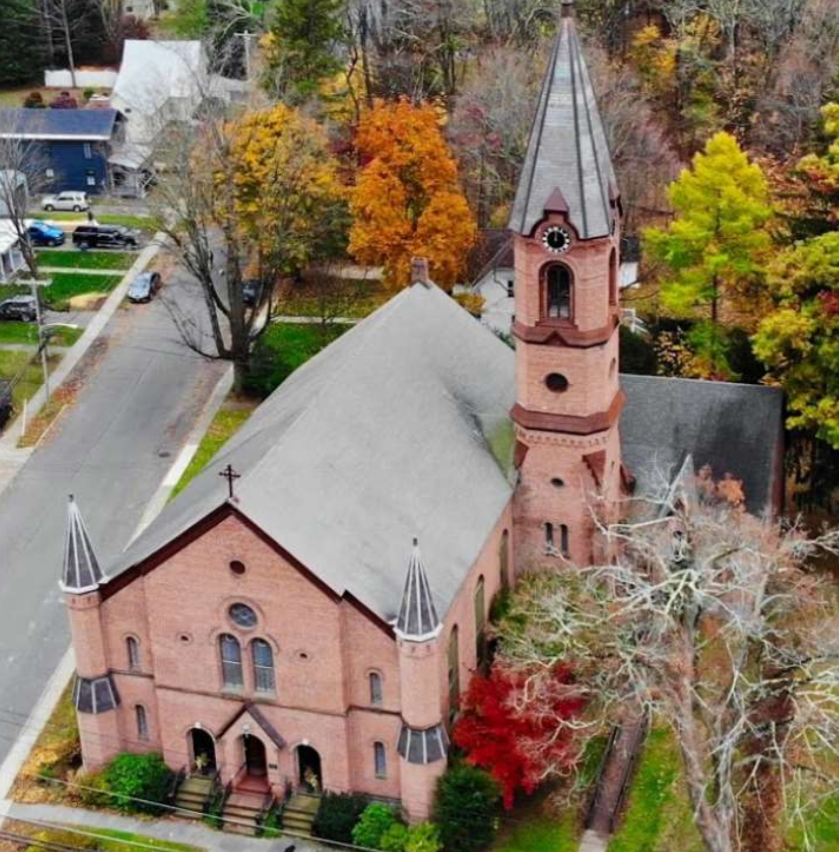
<point>556,382</point>
<point>237,567</point>
<point>242,615</point>
<point>557,482</point>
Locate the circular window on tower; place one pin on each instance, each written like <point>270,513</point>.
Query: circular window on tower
<point>242,615</point>
<point>557,240</point>
<point>556,382</point>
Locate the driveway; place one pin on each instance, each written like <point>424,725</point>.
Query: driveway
<point>112,449</point>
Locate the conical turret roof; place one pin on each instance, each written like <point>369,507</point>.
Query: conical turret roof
<point>81,571</point>
<point>567,166</point>
<point>417,619</point>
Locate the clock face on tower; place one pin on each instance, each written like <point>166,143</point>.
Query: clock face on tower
<point>556,239</point>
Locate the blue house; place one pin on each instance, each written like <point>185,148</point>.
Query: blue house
<point>72,146</point>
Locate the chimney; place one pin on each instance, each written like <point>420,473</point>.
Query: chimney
<point>419,271</point>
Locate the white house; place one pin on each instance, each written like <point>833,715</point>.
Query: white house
<point>11,257</point>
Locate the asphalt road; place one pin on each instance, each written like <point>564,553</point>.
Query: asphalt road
<point>111,449</point>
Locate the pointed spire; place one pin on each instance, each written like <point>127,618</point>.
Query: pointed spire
<point>567,153</point>
<point>417,619</point>
<point>81,569</point>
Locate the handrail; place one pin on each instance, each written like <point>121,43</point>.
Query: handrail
<point>629,770</point>
<point>598,784</point>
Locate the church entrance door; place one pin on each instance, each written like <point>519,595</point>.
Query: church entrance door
<point>255,761</point>
<point>309,770</point>
<point>203,751</point>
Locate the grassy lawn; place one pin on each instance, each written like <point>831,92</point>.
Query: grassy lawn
<point>27,332</point>
<point>540,834</point>
<point>66,285</point>
<point>65,259</point>
<point>302,302</point>
<point>11,363</point>
<point>106,840</point>
<point>148,224</point>
<point>228,419</point>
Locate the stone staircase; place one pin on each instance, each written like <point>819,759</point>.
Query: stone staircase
<point>191,795</point>
<point>241,812</point>
<point>299,813</point>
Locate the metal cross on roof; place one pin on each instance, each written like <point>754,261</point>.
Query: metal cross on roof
<point>229,474</point>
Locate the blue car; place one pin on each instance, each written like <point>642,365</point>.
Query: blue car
<point>42,234</point>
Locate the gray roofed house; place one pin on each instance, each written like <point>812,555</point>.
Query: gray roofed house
<point>567,166</point>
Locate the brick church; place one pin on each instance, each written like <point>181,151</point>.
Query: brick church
<point>315,629</point>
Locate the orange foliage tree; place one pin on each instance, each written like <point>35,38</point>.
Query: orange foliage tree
<point>407,200</point>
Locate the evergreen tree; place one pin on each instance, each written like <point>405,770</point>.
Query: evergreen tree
<point>21,57</point>
<point>304,38</point>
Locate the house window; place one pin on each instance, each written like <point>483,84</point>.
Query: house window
<point>613,278</point>
<point>454,673</point>
<point>375,689</point>
<point>380,760</point>
<point>88,151</point>
<point>510,290</point>
<point>91,180</point>
<point>504,559</point>
<point>133,649</point>
<point>263,666</point>
<point>242,615</point>
<point>549,535</point>
<point>558,287</point>
<point>142,723</point>
<point>50,173</point>
<point>480,620</point>
<point>231,662</point>
<point>563,539</point>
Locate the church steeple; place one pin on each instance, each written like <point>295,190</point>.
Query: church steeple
<point>81,572</point>
<point>417,621</point>
<point>567,168</point>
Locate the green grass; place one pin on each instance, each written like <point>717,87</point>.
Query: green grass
<point>540,834</point>
<point>227,420</point>
<point>11,363</point>
<point>117,841</point>
<point>301,303</point>
<point>141,223</point>
<point>66,285</point>
<point>65,259</point>
<point>27,332</point>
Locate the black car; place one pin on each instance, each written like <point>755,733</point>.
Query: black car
<point>6,408</point>
<point>251,291</point>
<point>19,308</point>
<point>104,236</point>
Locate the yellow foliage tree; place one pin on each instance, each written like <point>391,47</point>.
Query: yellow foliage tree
<point>287,197</point>
<point>407,201</point>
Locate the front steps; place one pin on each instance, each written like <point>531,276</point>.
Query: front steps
<point>191,796</point>
<point>299,813</point>
<point>242,811</point>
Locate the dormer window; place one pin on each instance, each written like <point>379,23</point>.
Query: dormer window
<point>558,292</point>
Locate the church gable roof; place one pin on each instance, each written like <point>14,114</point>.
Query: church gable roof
<point>567,165</point>
<point>381,436</point>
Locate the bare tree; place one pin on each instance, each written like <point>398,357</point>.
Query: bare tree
<point>714,622</point>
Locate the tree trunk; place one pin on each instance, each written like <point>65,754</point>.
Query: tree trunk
<point>68,41</point>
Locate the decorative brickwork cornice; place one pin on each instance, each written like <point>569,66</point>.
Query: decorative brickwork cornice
<point>545,422</point>
<point>559,333</point>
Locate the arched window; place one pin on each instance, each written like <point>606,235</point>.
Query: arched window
<point>563,539</point>
<point>504,559</point>
<point>375,689</point>
<point>263,666</point>
<point>613,278</point>
<point>231,662</point>
<point>142,723</point>
<point>558,292</point>
<point>480,620</point>
<point>132,646</point>
<point>380,760</point>
<point>454,672</point>
<point>549,535</point>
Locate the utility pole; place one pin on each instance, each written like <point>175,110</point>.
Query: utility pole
<point>42,338</point>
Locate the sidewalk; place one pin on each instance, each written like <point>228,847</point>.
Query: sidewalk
<point>189,832</point>
<point>13,459</point>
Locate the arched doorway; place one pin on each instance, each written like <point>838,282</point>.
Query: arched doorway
<point>308,769</point>
<point>256,763</point>
<point>203,751</point>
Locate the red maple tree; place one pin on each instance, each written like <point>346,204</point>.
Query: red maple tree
<point>519,743</point>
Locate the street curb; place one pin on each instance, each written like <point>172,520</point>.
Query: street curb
<point>14,458</point>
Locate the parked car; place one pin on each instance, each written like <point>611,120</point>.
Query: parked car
<point>6,408</point>
<point>251,290</point>
<point>104,236</point>
<point>144,286</point>
<point>42,234</point>
<point>66,201</point>
<point>19,308</point>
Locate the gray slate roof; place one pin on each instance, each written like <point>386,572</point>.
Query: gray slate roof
<point>417,620</point>
<point>81,572</point>
<point>567,149</point>
<point>734,428</point>
<point>93,124</point>
<point>380,437</point>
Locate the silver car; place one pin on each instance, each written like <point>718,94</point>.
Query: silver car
<point>66,201</point>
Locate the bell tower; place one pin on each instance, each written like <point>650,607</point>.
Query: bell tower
<point>565,221</point>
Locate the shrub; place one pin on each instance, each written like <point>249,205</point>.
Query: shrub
<point>34,100</point>
<point>423,837</point>
<point>394,839</point>
<point>130,777</point>
<point>93,790</point>
<point>337,815</point>
<point>466,808</point>
<point>637,353</point>
<point>376,820</point>
<point>88,93</point>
